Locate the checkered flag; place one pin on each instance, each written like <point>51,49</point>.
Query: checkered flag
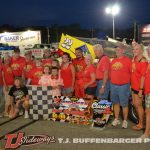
<point>40,100</point>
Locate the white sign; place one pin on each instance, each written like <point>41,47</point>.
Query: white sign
<point>24,40</point>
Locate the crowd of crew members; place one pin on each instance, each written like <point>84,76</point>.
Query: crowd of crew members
<point>80,77</point>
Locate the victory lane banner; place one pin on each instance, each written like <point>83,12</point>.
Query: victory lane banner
<point>69,44</point>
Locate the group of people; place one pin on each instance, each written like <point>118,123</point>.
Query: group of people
<point>83,78</point>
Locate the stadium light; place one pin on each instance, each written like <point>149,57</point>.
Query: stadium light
<point>113,10</point>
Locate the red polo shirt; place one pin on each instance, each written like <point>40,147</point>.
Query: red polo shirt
<point>35,75</point>
<point>17,66</point>
<point>103,65</point>
<point>28,67</point>
<point>79,65</point>
<point>120,70</point>
<point>47,62</point>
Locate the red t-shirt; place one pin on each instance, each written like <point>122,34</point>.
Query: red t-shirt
<point>103,65</point>
<point>28,67</point>
<point>138,70</point>
<point>17,66</point>
<point>79,65</point>
<point>147,81</point>
<point>47,62</point>
<point>87,75</point>
<point>35,75</point>
<point>1,80</point>
<point>66,75</point>
<point>120,70</point>
<point>8,74</point>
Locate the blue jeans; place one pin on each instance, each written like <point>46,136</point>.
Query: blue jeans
<point>120,94</point>
<point>106,91</point>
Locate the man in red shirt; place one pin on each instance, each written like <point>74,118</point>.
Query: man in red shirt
<point>79,64</point>
<point>120,75</point>
<point>35,74</point>
<point>47,61</point>
<point>102,73</point>
<point>29,65</point>
<point>17,63</point>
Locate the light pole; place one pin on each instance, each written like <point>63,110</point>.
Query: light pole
<point>48,36</point>
<point>113,10</point>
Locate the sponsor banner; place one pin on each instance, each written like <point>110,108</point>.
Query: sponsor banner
<point>145,34</point>
<point>69,44</point>
<point>68,110</point>
<point>22,39</point>
<point>37,53</point>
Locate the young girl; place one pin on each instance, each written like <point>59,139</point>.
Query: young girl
<point>56,82</point>
<point>44,80</point>
<point>19,96</point>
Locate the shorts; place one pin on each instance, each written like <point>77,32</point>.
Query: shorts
<point>120,94</point>
<point>90,91</point>
<point>66,91</point>
<point>7,97</point>
<point>147,101</point>
<point>106,91</point>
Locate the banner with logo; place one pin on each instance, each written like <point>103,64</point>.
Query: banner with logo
<point>22,39</point>
<point>69,44</point>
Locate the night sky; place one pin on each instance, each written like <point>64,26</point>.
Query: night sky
<point>88,13</point>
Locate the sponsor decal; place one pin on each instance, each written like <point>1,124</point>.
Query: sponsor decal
<point>16,140</point>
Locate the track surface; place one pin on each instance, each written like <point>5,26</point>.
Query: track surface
<point>66,130</point>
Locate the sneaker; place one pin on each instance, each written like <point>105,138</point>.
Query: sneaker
<point>26,115</point>
<point>124,124</point>
<point>115,122</point>
<point>20,113</point>
<point>144,138</point>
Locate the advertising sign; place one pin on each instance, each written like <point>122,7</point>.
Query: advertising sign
<point>22,39</point>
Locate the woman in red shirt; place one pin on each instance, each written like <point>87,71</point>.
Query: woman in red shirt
<point>89,78</point>
<point>147,97</point>
<point>68,75</point>
<point>139,67</point>
<point>8,81</point>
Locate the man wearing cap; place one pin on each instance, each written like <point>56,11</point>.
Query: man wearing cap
<point>79,64</point>
<point>120,75</point>
<point>47,60</point>
<point>102,73</point>
<point>29,65</point>
<point>17,63</point>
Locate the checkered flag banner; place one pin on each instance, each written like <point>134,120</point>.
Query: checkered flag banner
<point>40,100</point>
